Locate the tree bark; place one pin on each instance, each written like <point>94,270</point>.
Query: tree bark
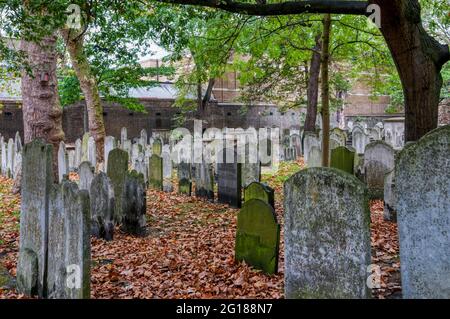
<point>75,42</point>
<point>208,93</point>
<point>313,87</point>
<point>42,112</point>
<point>326,91</point>
<point>419,59</point>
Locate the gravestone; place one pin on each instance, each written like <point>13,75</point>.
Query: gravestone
<point>359,139</point>
<point>390,213</point>
<point>63,161</point>
<point>157,147</point>
<point>84,147</point>
<point>258,236</point>
<point>229,179</point>
<point>184,178</point>
<point>69,242</point>
<point>123,136</point>
<point>327,235</point>
<point>260,191</point>
<point>314,157</point>
<point>204,181</point>
<point>342,158</point>
<point>156,172</point>
<point>102,207</point>
<point>92,152</point>
<point>86,172</point>
<point>10,158</point>
<point>37,180</point>
<point>251,172</point>
<point>141,167</point>
<point>310,140</point>
<point>296,142</point>
<point>422,194</point>
<point>143,139</point>
<point>71,160</point>
<point>134,204</point>
<point>379,159</point>
<point>110,144</point>
<point>117,170</point>
<point>167,171</point>
<point>4,162</point>
<point>78,153</point>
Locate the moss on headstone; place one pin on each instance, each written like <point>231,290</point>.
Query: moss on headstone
<point>260,191</point>
<point>342,158</point>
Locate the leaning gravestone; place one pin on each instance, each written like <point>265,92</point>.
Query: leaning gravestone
<point>86,172</point>
<point>204,181</point>
<point>184,178</point>
<point>258,236</point>
<point>260,191</point>
<point>102,207</point>
<point>134,204</point>
<point>156,172</point>
<point>229,179</point>
<point>37,179</point>
<point>379,159</point>
<point>342,158</point>
<point>327,235</point>
<point>69,243</point>
<point>422,193</point>
<point>117,170</point>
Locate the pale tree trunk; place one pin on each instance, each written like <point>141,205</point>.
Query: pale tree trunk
<point>326,91</point>
<point>419,59</point>
<point>42,112</point>
<point>313,87</point>
<point>75,46</point>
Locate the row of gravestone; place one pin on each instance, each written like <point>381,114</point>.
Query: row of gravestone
<point>57,220</point>
<point>10,156</point>
<point>327,228</point>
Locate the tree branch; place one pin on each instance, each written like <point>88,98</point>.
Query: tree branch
<point>283,8</point>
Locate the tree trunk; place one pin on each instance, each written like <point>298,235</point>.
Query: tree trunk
<point>326,91</point>
<point>42,112</point>
<point>208,93</point>
<point>313,88</point>
<point>419,59</point>
<point>88,83</point>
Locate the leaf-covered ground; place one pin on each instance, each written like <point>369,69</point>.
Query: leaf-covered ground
<point>189,252</point>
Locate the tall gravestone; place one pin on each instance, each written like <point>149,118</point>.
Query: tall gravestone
<point>167,171</point>
<point>379,159</point>
<point>390,212</point>
<point>184,178</point>
<point>359,139</point>
<point>229,179</point>
<point>123,136</point>
<point>110,144</point>
<point>156,172</point>
<point>102,207</point>
<point>92,152</point>
<point>134,204</point>
<point>117,170</point>
<point>69,243</point>
<point>314,156</point>
<point>84,147</point>
<point>260,191</point>
<point>204,181</point>
<point>63,161</point>
<point>342,158</point>
<point>258,236</point>
<point>309,140</point>
<point>422,193</point>
<point>78,153</point>
<point>157,147</point>
<point>86,173</point>
<point>37,180</point>
<point>10,157</point>
<point>4,165</point>
<point>143,138</point>
<point>327,235</point>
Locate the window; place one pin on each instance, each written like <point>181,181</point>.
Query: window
<point>229,113</point>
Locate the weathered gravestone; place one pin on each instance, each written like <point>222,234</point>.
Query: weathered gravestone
<point>327,235</point>
<point>314,157</point>
<point>342,158</point>
<point>92,152</point>
<point>184,178</point>
<point>123,135</point>
<point>422,192</point>
<point>78,153</point>
<point>258,236</point>
<point>102,207</point>
<point>157,147</point>
<point>141,167</point>
<point>309,140</point>
<point>86,172</point>
<point>10,158</point>
<point>167,171</point>
<point>204,181</point>
<point>37,179</point>
<point>4,162</point>
<point>359,139</point>
<point>229,178</point>
<point>134,204</point>
<point>260,191</point>
<point>84,147</point>
<point>296,142</point>
<point>143,139</point>
<point>156,172</point>
<point>63,161</point>
<point>69,243</point>
<point>390,213</point>
<point>379,159</point>
<point>117,170</point>
<point>251,172</point>
<point>110,144</point>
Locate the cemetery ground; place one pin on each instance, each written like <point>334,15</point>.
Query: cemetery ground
<point>189,251</point>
